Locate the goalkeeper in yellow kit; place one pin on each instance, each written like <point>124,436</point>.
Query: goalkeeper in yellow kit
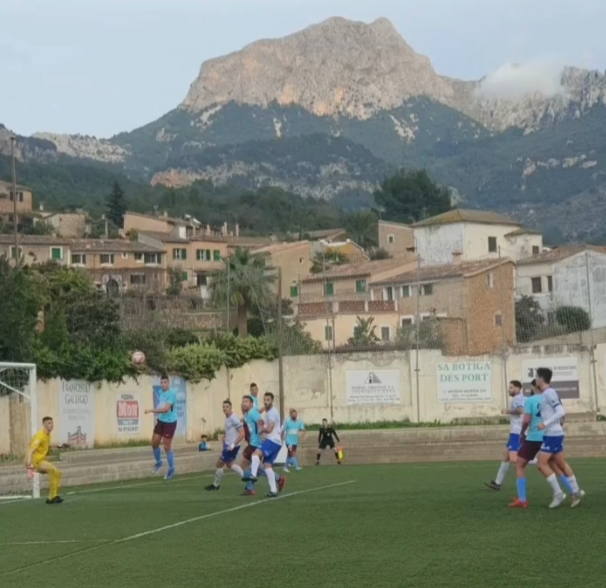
<point>36,460</point>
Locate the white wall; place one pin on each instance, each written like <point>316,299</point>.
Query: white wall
<point>437,243</point>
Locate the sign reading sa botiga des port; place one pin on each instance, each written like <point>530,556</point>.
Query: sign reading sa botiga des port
<point>464,381</point>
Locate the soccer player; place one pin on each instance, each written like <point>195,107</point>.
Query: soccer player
<point>325,440</point>
<point>290,435</point>
<point>552,450</point>
<point>234,435</point>
<point>254,394</point>
<point>515,412</point>
<point>36,460</point>
<point>531,445</point>
<point>165,428</point>
<point>271,446</point>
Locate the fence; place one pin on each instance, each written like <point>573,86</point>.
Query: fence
<point>344,388</point>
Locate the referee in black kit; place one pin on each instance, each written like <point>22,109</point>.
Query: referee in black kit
<point>325,440</point>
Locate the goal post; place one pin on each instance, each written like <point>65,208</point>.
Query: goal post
<point>18,423</point>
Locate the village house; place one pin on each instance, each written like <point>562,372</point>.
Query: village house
<point>36,248</point>
<point>472,304</point>
<point>467,235</point>
<point>564,277</point>
<point>7,204</point>
<point>396,238</point>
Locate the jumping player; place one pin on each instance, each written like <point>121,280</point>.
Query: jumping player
<point>515,412</point>
<point>234,435</point>
<point>166,426</point>
<point>36,460</point>
<point>271,446</point>
<point>290,435</point>
<point>552,450</point>
<point>325,440</point>
<point>254,394</point>
<point>253,423</point>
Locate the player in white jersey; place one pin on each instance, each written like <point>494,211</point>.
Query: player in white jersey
<point>234,435</point>
<point>271,446</point>
<point>552,450</point>
<point>516,418</point>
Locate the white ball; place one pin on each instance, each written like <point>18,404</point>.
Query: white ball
<point>138,357</point>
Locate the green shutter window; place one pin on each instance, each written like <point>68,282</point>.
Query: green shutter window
<point>184,277</point>
<point>183,253</point>
<point>328,333</point>
<point>361,286</point>
<point>217,255</point>
<point>56,253</point>
<point>294,292</point>
<point>329,289</point>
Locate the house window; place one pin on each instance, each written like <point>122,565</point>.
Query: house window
<point>180,254</point>
<point>57,253</point>
<point>537,286</point>
<point>535,250</point>
<point>490,279</point>
<point>138,279</point>
<point>294,291</point>
<point>388,294</point>
<point>405,291</point>
<point>216,255</point>
<point>107,258</point>
<point>328,333</point>
<point>361,286</point>
<point>78,259</point>
<point>406,322</point>
<point>18,252</point>
<point>426,289</point>
<point>19,196</point>
<point>498,320</point>
<point>139,257</point>
<point>391,239</point>
<point>549,283</point>
<point>329,289</point>
<point>301,260</point>
<point>425,317</point>
<point>204,255</point>
<point>385,334</point>
<point>125,256</point>
<point>201,279</point>
<point>492,244</point>
<point>152,258</point>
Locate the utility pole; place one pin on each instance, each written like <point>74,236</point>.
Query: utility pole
<point>280,347</point>
<point>15,217</point>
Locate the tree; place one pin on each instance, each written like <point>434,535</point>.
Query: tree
<point>529,319</point>
<point>324,261</point>
<point>247,281</point>
<point>364,333</point>
<point>117,206</point>
<point>411,196</point>
<point>175,281</point>
<point>379,254</point>
<point>361,228</point>
<point>573,318</point>
<point>429,335</point>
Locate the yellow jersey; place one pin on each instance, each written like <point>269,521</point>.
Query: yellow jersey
<point>40,443</point>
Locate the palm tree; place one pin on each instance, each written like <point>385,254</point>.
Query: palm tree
<point>361,228</point>
<point>248,282</point>
<point>364,333</point>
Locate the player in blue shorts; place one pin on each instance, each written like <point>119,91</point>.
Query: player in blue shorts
<point>531,445</point>
<point>234,434</point>
<point>516,415</point>
<point>290,435</point>
<point>253,423</point>
<point>552,450</point>
<point>270,448</point>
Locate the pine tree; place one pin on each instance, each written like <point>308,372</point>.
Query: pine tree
<point>117,206</point>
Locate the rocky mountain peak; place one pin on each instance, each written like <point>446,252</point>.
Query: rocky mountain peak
<point>335,67</point>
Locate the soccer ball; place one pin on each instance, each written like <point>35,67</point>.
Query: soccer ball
<point>138,357</point>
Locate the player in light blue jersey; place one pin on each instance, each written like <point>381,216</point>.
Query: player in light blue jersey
<point>253,423</point>
<point>290,435</point>
<point>166,425</point>
<point>234,435</point>
<point>254,394</point>
<point>552,450</point>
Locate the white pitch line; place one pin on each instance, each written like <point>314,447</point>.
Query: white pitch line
<point>173,526</point>
<point>56,542</point>
<point>125,486</point>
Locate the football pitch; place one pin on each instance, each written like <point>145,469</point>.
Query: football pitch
<point>431,525</point>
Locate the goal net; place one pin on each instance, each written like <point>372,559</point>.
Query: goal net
<point>18,423</point>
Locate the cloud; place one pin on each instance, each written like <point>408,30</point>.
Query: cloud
<point>514,82</point>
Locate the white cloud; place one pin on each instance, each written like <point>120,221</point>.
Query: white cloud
<point>514,82</point>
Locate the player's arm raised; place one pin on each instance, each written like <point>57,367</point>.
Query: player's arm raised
<point>162,410</point>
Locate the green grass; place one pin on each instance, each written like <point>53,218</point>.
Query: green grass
<point>397,525</point>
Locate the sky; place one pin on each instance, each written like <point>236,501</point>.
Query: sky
<point>100,67</point>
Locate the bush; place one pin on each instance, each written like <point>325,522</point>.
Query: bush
<point>573,318</point>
